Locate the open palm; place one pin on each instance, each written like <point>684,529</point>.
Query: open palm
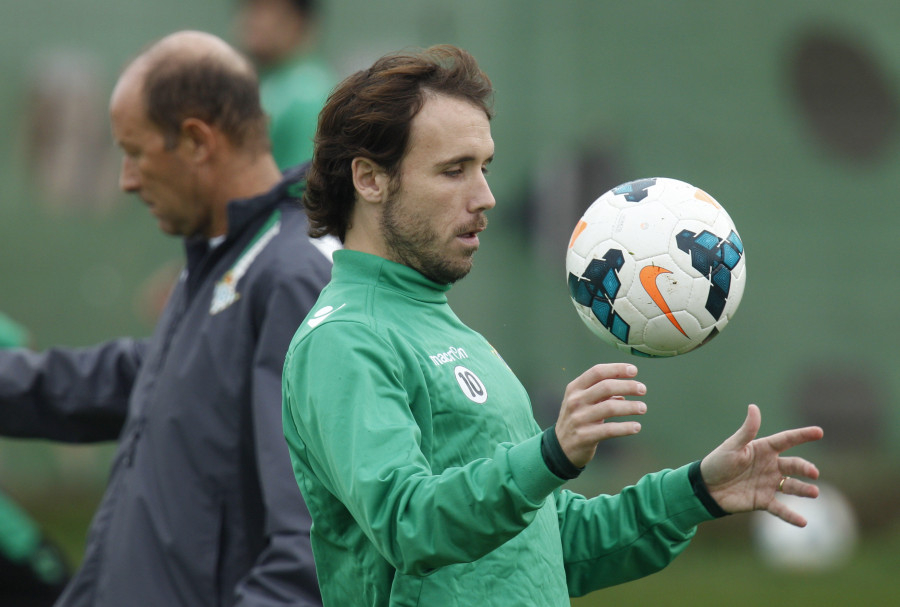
<point>744,473</point>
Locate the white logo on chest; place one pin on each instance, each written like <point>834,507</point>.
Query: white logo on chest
<point>471,386</point>
<point>225,291</point>
<point>451,355</point>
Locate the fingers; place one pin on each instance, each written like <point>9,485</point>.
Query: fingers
<point>787,439</point>
<point>596,396</point>
<point>616,430</point>
<point>611,390</point>
<point>791,467</point>
<point>591,422</point>
<point>794,486</point>
<point>779,442</point>
<point>797,466</point>
<point>600,393</point>
<point>780,510</point>
<point>603,382</point>
<point>605,400</point>
<point>598,373</point>
<point>575,438</point>
<point>612,407</point>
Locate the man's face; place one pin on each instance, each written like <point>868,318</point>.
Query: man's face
<point>431,222</point>
<point>161,177</point>
<point>269,31</point>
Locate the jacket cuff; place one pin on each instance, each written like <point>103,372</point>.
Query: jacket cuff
<point>529,471</point>
<point>702,491</point>
<point>555,458</point>
<point>685,509</point>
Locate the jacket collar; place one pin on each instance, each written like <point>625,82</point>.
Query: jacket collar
<point>358,267</point>
<point>244,212</point>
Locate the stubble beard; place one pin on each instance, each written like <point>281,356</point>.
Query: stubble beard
<point>412,242</point>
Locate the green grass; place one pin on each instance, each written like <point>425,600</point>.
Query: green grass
<point>712,573</point>
<point>720,568</point>
<point>65,520</point>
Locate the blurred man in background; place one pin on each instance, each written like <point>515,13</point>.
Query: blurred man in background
<point>201,508</point>
<point>12,334</point>
<point>280,37</point>
<point>33,571</point>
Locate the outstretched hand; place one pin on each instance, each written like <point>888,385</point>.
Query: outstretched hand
<point>593,399</point>
<point>744,473</point>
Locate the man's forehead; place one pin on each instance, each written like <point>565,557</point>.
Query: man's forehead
<point>437,106</point>
<point>127,91</point>
<point>450,127</point>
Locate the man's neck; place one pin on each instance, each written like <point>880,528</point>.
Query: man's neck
<point>244,178</point>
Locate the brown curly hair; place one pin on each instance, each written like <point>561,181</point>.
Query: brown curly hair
<point>369,115</point>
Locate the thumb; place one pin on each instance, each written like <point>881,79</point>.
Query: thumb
<point>748,430</point>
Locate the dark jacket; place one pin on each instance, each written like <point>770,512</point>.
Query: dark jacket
<point>201,508</point>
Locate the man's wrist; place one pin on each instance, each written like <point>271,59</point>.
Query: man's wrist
<point>555,458</point>
<point>695,476</point>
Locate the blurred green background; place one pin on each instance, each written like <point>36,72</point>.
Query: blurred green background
<point>786,112</point>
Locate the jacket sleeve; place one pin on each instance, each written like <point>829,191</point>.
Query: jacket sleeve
<point>347,410</point>
<point>612,539</point>
<point>284,573</point>
<point>68,394</point>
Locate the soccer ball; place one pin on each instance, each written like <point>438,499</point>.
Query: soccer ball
<point>828,541</point>
<point>656,267</point>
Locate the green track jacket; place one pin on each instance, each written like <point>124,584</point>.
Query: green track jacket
<point>418,455</point>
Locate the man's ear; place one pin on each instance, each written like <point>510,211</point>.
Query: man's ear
<point>370,180</point>
<point>198,139</point>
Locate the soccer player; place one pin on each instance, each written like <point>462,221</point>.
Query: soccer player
<point>201,508</point>
<point>428,479</point>
<point>280,36</point>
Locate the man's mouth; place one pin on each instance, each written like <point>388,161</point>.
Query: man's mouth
<point>470,232</point>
